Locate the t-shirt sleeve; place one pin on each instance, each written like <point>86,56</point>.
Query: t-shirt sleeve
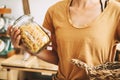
<point>118,23</point>
<point>118,32</point>
<point>48,24</point>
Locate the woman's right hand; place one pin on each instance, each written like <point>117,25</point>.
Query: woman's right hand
<point>14,34</point>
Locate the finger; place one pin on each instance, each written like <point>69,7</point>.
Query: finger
<point>16,42</point>
<point>9,30</point>
<point>16,38</point>
<point>14,30</point>
<point>16,33</point>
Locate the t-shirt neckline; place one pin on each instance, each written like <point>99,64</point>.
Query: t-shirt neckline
<point>86,25</point>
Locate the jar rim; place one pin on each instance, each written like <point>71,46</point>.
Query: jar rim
<point>22,20</point>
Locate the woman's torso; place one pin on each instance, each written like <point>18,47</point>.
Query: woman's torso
<point>93,44</point>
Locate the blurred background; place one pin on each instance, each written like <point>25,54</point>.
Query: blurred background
<point>15,9</point>
<point>37,8</point>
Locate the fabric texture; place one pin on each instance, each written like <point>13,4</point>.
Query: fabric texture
<point>94,44</point>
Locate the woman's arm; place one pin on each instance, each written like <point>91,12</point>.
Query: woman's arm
<point>46,55</point>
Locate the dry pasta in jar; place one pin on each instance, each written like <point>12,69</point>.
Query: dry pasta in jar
<point>33,36</point>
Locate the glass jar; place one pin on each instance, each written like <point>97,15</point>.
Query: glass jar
<point>33,36</point>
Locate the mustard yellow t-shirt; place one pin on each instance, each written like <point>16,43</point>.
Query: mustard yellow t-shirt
<point>93,44</point>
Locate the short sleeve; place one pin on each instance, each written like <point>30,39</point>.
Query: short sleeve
<point>117,2</point>
<point>48,24</point>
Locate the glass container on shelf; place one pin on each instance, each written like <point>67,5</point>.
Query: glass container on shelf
<point>4,21</point>
<point>5,43</point>
<point>5,46</point>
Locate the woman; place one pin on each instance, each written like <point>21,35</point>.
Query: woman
<point>82,29</point>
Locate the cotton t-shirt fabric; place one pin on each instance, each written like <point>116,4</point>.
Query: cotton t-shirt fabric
<point>93,44</point>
